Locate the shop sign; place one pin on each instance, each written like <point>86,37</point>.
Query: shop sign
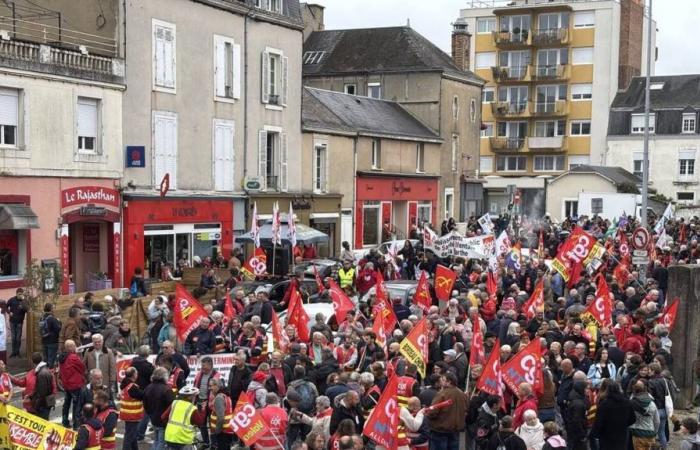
<point>92,210</point>
<point>89,195</point>
<point>91,238</point>
<point>211,236</point>
<point>135,156</point>
<point>117,237</point>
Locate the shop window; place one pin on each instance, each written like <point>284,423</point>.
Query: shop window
<point>12,253</point>
<point>370,223</point>
<point>424,213</point>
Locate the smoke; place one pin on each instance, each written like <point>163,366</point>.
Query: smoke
<point>533,204</point>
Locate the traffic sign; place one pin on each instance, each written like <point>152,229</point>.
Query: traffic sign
<point>640,238</point>
<point>640,253</point>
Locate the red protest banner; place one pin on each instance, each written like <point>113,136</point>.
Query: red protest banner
<point>490,379</point>
<point>341,303</point>
<point>188,312</point>
<point>525,367</point>
<point>601,307</point>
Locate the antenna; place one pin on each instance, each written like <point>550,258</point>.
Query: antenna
<point>408,22</point>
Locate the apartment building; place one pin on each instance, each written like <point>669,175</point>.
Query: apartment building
<point>674,130</point>
<point>61,159</point>
<point>552,69</point>
<point>398,64</point>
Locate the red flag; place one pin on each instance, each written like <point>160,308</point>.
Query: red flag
<point>621,273</point>
<point>256,264</point>
<point>382,306</point>
<point>382,426</point>
<point>278,334</point>
<point>624,246</point>
<point>525,367</point>
<point>540,245</point>
<point>491,284</point>
<point>477,355</point>
<point>296,316</point>
<point>422,297</point>
<point>379,329</point>
<point>188,312</point>
<point>341,303</point>
<point>535,302</point>
<point>490,379</point>
<point>682,236</point>
<point>444,280</point>
<point>668,317</point>
<point>229,310</point>
<point>319,283</point>
<point>415,346</point>
<point>573,253</point>
<point>247,422</point>
<point>601,307</point>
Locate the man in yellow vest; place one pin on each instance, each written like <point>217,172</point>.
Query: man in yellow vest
<point>183,420</point>
<point>346,274</point>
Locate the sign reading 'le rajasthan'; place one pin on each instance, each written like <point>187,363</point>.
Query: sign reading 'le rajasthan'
<point>84,195</point>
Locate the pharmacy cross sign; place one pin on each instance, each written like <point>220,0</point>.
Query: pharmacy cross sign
<point>640,238</point>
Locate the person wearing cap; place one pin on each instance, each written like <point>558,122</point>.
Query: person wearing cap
<point>182,419</point>
<point>132,410</point>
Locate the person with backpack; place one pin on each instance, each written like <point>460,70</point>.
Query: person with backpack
<point>505,438</point>
<point>137,286</point>
<point>50,329</point>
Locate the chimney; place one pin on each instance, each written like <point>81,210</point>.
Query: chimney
<point>461,43</point>
<point>312,16</point>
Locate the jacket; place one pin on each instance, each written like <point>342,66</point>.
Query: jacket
<point>72,370</point>
<point>71,330</point>
<point>507,439</point>
<point>157,398</point>
<point>575,421</point>
<point>83,440</point>
<point>450,419</point>
<point>204,344</point>
<point>525,404</point>
<point>144,369</point>
<point>613,417</point>
<point>53,328</point>
<point>555,442</point>
<point>108,365</point>
<point>690,442</point>
<point>341,412</point>
<point>126,345</point>
<point>320,374</point>
<point>595,373</point>
<point>532,436</point>
<point>486,426</point>
<point>238,380</point>
<point>38,384</point>
<point>646,415</point>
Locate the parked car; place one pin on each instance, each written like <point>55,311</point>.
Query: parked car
<point>278,288</point>
<point>323,266</point>
<point>403,289</point>
<point>311,310</point>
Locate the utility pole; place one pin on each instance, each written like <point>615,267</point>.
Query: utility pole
<point>647,108</point>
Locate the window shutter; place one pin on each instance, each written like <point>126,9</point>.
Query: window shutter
<point>87,117</point>
<point>326,158</point>
<point>285,76</point>
<point>283,162</point>
<point>262,158</point>
<point>219,157</point>
<point>236,71</point>
<point>169,58</point>
<point>314,166</point>
<point>158,147</point>
<point>171,162</point>
<point>159,55</point>
<point>164,148</point>
<point>265,77</point>
<point>220,67</point>
<point>9,101</point>
<point>265,4</point>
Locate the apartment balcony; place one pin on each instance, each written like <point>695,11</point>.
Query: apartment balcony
<point>508,74</point>
<point>58,51</point>
<point>557,72</point>
<point>506,110</point>
<point>552,143</point>
<point>508,144</point>
<point>549,109</point>
<point>550,37</point>
<point>512,39</point>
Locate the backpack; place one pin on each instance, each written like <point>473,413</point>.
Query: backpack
<point>97,322</point>
<point>134,290</point>
<point>308,397</point>
<point>44,327</point>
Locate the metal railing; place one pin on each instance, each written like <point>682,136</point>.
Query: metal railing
<point>550,36</point>
<point>552,72</point>
<point>549,108</point>
<point>507,143</point>
<point>509,73</point>
<point>511,38</point>
<point>506,109</point>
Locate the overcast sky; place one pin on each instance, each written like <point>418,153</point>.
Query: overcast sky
<point>676,19</point>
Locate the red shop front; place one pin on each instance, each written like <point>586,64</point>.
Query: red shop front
<point>388,206</point>
<point>175,231</point>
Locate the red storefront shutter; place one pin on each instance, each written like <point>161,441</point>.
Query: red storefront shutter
<point>412,215</point>
<point>358,225</point>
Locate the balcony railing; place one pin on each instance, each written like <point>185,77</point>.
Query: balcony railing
<point>509,144</point>
<point>546,143</point>
<point>509,109</point>
<point>512,38</point>
<point>504,74</point>
<point>549,109</point>
<point>550,36</point>
<point>550,72</point>
<point>272,182</point>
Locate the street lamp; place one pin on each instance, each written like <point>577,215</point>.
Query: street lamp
<point>647,108</point>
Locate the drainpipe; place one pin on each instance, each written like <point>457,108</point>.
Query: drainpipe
<point>245,111</point>
<point>354,191</point>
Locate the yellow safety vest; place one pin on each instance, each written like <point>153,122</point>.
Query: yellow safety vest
<point>346,278</point>
<point>180,429</point>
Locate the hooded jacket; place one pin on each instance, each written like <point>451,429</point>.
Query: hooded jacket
<point>688,441</point>
<point>532,435</point>
<point>647,416</point>
<point>554,442</point>
<point>341,411</point>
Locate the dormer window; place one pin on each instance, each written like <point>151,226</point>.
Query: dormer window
<point>689,123</point>
<point>657,86</point>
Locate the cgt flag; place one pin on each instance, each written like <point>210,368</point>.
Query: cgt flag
<point>490,379</point>
<point>382,426</point>
<point>535,302</point>
<point>477,355</point>
<point>668,317</point>
<point>525,367</point>
<point>573,253</point>
<point>415,346</point>
<point>382,307</point>
<point>341,303</point>
<point>188,312</point>
<point>601,308</point>
<point>422,297</point>
<point>296,316</point>
<point>248,424</point>
<point>256,265</point>
<point>444,281</point>
<point>279,336</point>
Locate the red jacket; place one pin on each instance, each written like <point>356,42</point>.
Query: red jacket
<point>365,280</point>
<point>72,371</point>
<point>525,404</point>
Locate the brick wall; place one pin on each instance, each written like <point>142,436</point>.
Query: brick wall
<point>631,41</point>
<point>461,45</point>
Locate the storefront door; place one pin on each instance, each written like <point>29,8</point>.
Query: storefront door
<point>184,245</point>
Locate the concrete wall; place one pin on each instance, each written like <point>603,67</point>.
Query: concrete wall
<point>341,164</point>
<point>568,187</point>
<point>48,129</point>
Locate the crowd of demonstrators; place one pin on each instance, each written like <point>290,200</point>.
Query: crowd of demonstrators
<point>601,386</point>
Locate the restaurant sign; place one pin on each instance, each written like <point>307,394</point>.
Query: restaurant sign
<point>89,195</point>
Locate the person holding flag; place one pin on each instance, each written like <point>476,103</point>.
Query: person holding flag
<point>446,424</point>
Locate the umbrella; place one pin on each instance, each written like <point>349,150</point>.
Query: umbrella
<point>305,234</point>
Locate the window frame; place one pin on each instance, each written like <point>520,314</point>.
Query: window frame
<point>577,51</point>
<point>455,150</point>
<point>585,96</point>
<point>375,206</point>
<point>491,90</point>
<point>690,118</point>
<point>234,72</point>
<point>489,126</point>
<point>281,79</point>
<point>376,157</point>
<point>320,171</point>
<point>486,161</point>
<point>420,157</point>
<point>585,24</point>
<point>487,20</point>
<point>678,194</point>
<point>18,128</point>
<point>581,123</point>
<point>597,205</point>
<point>374,84</point>
<point>640,129</point>
<point>543,158</point>
<point>493,58</point>
<point>455,107</point>
<point>228,184</point>
<point>638,157</point>
<point>506,158</point>
<point>97,146</point>
<point>347,85</point>
<point>155,23</point>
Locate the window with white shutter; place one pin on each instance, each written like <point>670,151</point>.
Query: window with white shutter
<point>320,166</point>
<point>262,158</point>
<point>88,110</point>
<point>223,167</point>
<point>226,68</point>
<point>164,148</point>
<point>284,172</point>
<point>9,117</point>
<point>275,73</point>
<point>164,56</point>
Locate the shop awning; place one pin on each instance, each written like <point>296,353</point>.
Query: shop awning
<point>17,217</point>
<point>305,234</point>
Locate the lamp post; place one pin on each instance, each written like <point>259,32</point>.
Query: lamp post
<point>647,108</point>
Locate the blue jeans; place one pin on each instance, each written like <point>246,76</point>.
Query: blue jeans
<point>143,425</point>
<point>130,436</point>
<point>50,351</point>
<point>663,420</point>
<point>159,438</point>
<point>71,398</point>
<point>547,415</point>
<point>444,441</point>
<point>16,337</point>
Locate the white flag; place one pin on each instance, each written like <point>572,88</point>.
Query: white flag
<point>668,213</point>
<point>291,227</point>
<point>276,225</point>
<point>254,228</point>
<point>429,236</point>
<point>486,223</point>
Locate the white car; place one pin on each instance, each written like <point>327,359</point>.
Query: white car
<point>311,310</point>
